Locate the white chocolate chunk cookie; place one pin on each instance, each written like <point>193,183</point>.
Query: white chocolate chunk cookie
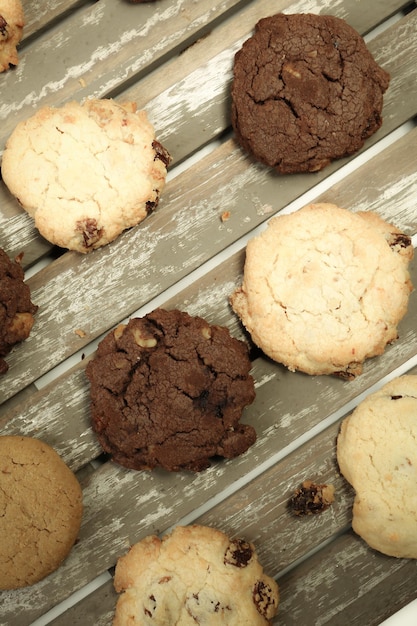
<point>324,288</point>
<point>11,29</point>
<point>195,575</point>
<point>377,454</point>
<point>85,172</point>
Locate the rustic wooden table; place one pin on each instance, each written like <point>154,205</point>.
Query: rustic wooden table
<point>174,58</point>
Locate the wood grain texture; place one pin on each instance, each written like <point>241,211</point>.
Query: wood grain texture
<point>175,59</point>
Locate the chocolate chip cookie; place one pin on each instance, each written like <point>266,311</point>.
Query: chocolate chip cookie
<point>168,390</point>
<point>85,172</point>
<point>195,575</point>
<point>16,308</point>
<point>306,90</point>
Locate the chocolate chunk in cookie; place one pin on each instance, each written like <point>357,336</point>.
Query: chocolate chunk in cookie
<point>306,91</point>
<point>168,390</point>
<point>16,308</point>
<point>188,576</point>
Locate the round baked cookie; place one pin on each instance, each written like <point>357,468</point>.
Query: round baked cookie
<point>85,172</point>
<point>168,390</point>
<point>16,308</point>
<point>11,29</point>
<point>306,90</point>
<point>194,575</point>
<point>377,454</point>
<point>324,288</point>
<point>41,504</point>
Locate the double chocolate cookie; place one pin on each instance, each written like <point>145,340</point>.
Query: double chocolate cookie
<point>168,390</point>
<point>16,308</point>
<point>306,91</point>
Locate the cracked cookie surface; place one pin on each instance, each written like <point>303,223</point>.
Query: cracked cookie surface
<point>377,454</point>
<point>16,308</point>
<point>11,29</point>
<point>168,390</point>
<point>85,173</point>
<point>306,91</point>
<point>41,510</point>
<point>324,288</point>
<point>194,575</point>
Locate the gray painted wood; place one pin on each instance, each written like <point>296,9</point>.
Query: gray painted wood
<point>99,52</point>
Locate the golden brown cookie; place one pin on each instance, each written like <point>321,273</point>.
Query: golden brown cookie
<point>11,29</point>
<point>41,505</point>
<point>324,288</point>
<point>85,173</point>
<point>195,575</point>
<point>377,454</point>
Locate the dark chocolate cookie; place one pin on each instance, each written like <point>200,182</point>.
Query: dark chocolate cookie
<point>306,91</point>
<point>168,390</point>
<point>16,308</point>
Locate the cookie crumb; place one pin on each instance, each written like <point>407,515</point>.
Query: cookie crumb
<point>80,332</point>
<point>311,498</point>
<point>225,216</point>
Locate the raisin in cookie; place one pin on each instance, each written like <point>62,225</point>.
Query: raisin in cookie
<point>377,454</point>
<point>324,288</point>
<point>16,308</point>
<point>168,390</point>
<point>41,504</point>
<point>85,172</point>
<point>306,91</point>
<point>195,575</point>
<point>11,28</point>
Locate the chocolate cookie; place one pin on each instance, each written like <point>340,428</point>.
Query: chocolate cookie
<point>16,308</point>
<point>324,288</point>
<point>85,172</point>
<point>377,454</point>
<point>194,575</point>
<point>168,390</point>
<point>306,91</point>
<point>11,29</point>
<point>41,509</point>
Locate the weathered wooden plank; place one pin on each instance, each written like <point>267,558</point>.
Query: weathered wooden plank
<point>258,511</point>
<point>168,245</point>
<point>17,232</point>
<point>195,109</point>
<point>335,587</point>
<point>38,15</point>
<point>286,406</point>
<point>123,506</point>
<point>100,48</point>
